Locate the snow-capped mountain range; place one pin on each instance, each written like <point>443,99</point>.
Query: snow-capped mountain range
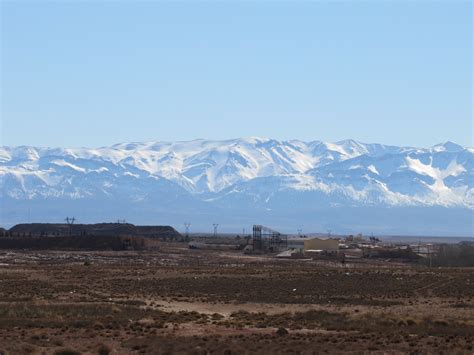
<point>251,174</point>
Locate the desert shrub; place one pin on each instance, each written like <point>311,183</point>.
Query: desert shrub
<point>28,349</point>
<point>104,350</point>
<point>57,341</point>
<point>98,325</point>
<point>217,316</point>
<point>66,352</point>
<point>453,255</point>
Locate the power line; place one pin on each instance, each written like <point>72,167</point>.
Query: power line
<point>70,221</point>
<point>187,225</point>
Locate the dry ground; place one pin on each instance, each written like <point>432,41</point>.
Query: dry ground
<point>177,300</point>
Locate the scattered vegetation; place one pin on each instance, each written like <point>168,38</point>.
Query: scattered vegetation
<point>453,255</point>
<point>179,301</point>
<point>66,352</point>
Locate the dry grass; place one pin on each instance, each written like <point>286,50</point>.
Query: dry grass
<point>53,302</point>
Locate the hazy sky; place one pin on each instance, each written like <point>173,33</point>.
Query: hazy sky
<point>78,73</point>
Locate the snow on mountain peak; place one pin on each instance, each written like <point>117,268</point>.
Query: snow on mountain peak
<point>349,170</point>
<point>448,147</point>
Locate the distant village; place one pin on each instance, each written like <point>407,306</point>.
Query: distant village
<point>263,241</point>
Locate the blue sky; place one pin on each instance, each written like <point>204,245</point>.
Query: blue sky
<point>81,73</point>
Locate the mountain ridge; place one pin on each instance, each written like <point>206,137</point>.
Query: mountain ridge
<point>243,174</point>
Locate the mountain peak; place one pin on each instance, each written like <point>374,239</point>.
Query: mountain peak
<point>448,147</point>
<point>254,139</point>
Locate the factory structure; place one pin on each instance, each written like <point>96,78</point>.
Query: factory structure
<point>268,241</point>
<point>304,245</point>
<point>263,240</point>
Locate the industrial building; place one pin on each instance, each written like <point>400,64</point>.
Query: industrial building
<point>329,245</point>
<point>319,244</point>
<point>267,240</point>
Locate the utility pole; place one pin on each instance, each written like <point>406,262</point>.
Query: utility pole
<point>429,254</point>
<point>70,221</point>
<point>215,228</point>
<point>187,225</point>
